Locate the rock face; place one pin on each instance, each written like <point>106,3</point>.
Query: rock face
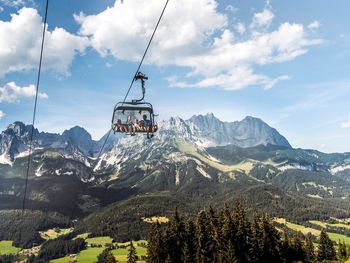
<point>246,133</point>
<point>203,130</point>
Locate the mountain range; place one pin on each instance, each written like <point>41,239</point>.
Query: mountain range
<point>189,163</point>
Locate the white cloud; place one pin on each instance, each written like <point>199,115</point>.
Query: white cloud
<point>231,8</point>
<point>20,40</point>
<point>193,34</point>
<point>314,25</point>
<point>13,93</point>
<point>1,9</point>
<point>262,19</point>
<point>236,79</point>
<point>185,27</point>
<point>240,28</point>
<point>2,114</point>
<point>17,3</point>
<point>346,124</point>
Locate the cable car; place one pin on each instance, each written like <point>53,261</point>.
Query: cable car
<point>136,116</point>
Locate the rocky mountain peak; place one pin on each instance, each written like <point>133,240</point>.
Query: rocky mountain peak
<point>77,133</point>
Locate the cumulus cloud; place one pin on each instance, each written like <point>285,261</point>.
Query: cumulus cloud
<point>2,114</point>
<point>20,40</point>
<point>314,25</point>
<point>17,3</point>
<point>13,93</point>
<point>182,31</point>
<point>231,8</point>
<point>262,19</point>
<point>240,28</point>
<point>346,124</point>
<point>195,35</point>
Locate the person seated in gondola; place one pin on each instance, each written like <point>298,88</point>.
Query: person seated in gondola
<point>120,126</point>
<point>147,126</point>
<point>130,125</point>
<point>138,125</point>
<point>145,121</point>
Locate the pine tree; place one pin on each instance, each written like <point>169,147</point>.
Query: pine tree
<point>342,253</point>
<point>227,233</point>
<point>212,225</point>
<point>203,239</point>
<point>286,250</point>
<point>309,249</point>
<point>175,238</point>
<point>326,249</point>
<point>242,234</point>
<point>189,249</point>
<point>299,253</point>
<point>106,257</point>
<point>155,250</point>
<point>132,257</point>
<point>266,241</point>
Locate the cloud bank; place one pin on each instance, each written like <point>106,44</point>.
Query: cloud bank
<point>20,51</point>
<point>13,93</point>
<point>195,35</point>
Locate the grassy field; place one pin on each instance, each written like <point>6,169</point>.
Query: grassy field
<point>324,225</point>
<point>99,240</point>
<point>7,248</point>
<point>155,219</point>
<point>305,230</point>
<point>90,254</point>
<point>121,254</point>
<point>245,167</point>
<point>55,233</point>
<point>85,256</point>
<point>84,236</point>
<point>296,227</point>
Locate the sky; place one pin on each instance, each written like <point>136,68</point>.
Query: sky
<point>286,62</point>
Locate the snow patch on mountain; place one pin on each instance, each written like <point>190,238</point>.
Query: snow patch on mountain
<point>339,168</point>
<point>4,159</point>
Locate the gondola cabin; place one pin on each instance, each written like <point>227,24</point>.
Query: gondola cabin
<point>135,116</point>
<point>132,118</point>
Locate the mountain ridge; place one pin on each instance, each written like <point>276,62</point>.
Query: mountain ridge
<point>14,140</point>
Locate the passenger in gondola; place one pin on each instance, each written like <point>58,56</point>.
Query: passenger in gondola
<point>147,126</point>
<point>138,125</point>
<point>130,125</point>
<point>120,126</point>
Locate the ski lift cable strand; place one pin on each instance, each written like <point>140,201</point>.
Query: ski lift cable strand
<point>133,79</point>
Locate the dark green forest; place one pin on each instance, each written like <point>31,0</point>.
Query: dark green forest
<point>229,236</point>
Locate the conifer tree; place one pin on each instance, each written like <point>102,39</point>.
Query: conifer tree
<point>342,253</point>
<point>203,239</point>
<point>298,249</point>
<point>309,249</point>
<point>212,225</point>
<point>189,249</point>
<point>266,241</point>
<point>326,249</point>
<point>242,234</point>
<point>106,257</point>
<point>227,233</point>
<point>286,250</point>
<point>174,238</point>
<point>132,257</point>
<point>155,250</point>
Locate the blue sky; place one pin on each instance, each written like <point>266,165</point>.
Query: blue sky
<point>286,62</point>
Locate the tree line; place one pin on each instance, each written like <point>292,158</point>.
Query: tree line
<point>228,236</point>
